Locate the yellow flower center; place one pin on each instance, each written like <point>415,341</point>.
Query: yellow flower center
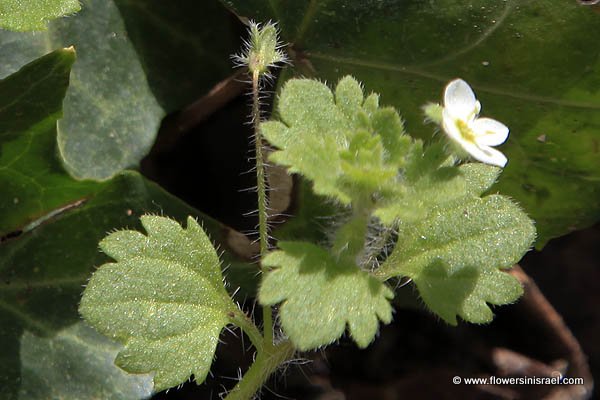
<point>465,131</point>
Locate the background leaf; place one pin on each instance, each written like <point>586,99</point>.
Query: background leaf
<point>184,48</point>
<point>33,181</point>
<point>76,364</point>
<point>549,98</point>
<point>111,113</point>
<point>32,15</point>
<point>50,235</point>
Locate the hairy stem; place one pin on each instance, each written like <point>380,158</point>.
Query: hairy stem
<point>349,242</point>
<point>266,363</point>
<point>246,324</point>
<point>260,168</point>
<point>261,188</point>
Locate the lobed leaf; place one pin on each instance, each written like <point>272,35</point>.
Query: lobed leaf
<point>320,296</point>
<point>455,254</point>
<point>348,147</point>
<point>164,299</point>
<point>44,269</point>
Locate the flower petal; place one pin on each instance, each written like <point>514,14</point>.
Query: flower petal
<point>460,100</point>
<point>450,127</point>
<point>489,132</point>
<point>485,154</point>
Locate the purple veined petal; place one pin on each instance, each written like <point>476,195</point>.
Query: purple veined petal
<point>486,154</point>
<point>489,132</point>
<point>460,100</point>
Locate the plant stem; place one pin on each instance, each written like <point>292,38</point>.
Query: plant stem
<point>249,328</point>
<point>261,188</point>
<point>266,363</point>
<point>260,168</point>
<point>349,242</point>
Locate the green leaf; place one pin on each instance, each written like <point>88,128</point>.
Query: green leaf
<point>164,299</point>
<point>77,363</point>
<point>321,296</point>
<point>347,146</point>
<point>111,112</point>
<point>549,99</point>
<point>455,254</point>
<point>33,182</point>
<point>427,181</point>
<point>43,270</point>
<point>32,15</point>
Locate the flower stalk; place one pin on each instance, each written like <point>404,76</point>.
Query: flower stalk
<point>261,52</point>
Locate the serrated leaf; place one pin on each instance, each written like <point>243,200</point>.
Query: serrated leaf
<point>549,99</point>
<point>320,296</point>
<point>164,299</point>
<point>454,256</point>
<point>76,364</point>
<point>32,15</point>
<point>111,112</point>
<point>344,144</point>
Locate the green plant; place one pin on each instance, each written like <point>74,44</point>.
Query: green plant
<point>164,297</point>
<point>400,208</point>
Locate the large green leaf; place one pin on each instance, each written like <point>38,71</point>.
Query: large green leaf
<point>33,182</point>
<point>76,364</point>
<point>32,15</point>
<point>111,112</point>
<point>543,83</point>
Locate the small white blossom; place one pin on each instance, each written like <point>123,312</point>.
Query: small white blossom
<point>461,123</point>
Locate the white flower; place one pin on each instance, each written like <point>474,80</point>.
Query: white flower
<point>461,123</point>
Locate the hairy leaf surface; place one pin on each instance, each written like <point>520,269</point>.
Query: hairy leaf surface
<point>321,296</point>
<point>456,253</point>
<point>163,299</point>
